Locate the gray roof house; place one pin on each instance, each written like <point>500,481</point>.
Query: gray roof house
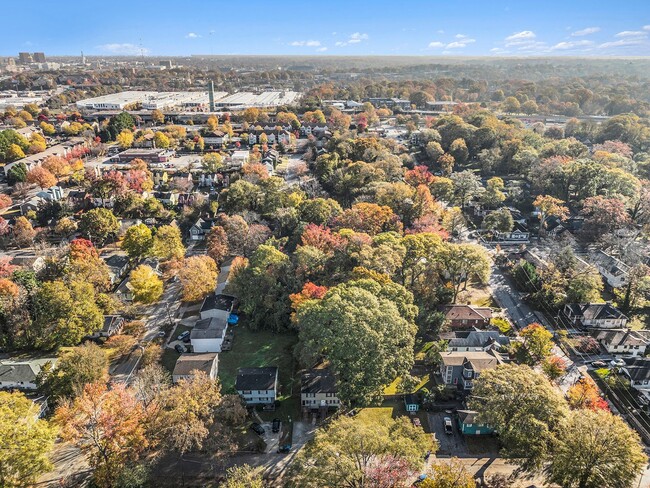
<point>597,315</point>
<point>201,228</point>
<point>474,340</point>
<point>318,389</point>
<point>624,341</point>
<point>207,335</point>
<point>461,368</point>
<point>188,363</point>
<point>21,374</point>
<point>257,386</point>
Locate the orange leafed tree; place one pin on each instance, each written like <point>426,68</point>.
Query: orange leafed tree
<point>108,426</point>
<point>41,177</point>
<point>585,394</point>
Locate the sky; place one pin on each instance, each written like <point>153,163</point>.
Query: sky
<point>328,27</point>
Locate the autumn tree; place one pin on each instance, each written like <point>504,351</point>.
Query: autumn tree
<point>212,162</point>
<point>157,116</point>
<point>41,177</point>
<point>108,426</point>
<point>550,207</point>
<point>595,449</point>
<point>467,186</point>
<point>167,243</point>
<point>243,477</point>
<point>603,215</point>
<point>25,441</point>
<point>198,277</point>
<point>75,369</point>
<point>57,165</point>
<point>348,451</point>
<point>161,140</point>
<point>585,394</point>
<point>537,344</point>
<point>499,220</point>
<point>554,367</point>
<point>217,244</point>
<point>24,233</point>
<point>449,474</point>
<point>147,285</point>
<point>137,241</point>
<point>461,263</point>
<point>125,139</point>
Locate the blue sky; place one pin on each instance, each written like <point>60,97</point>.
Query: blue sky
<point>329,27</point>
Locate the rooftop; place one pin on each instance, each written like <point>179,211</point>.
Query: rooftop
<point>189,362</point>
<point>212,328</point>
<point>218,302</point>
<point>318,381</point>
<point>256,378</point>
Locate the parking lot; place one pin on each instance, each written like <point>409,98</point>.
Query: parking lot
<point>453,444</point>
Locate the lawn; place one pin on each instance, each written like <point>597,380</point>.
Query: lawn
<point>479,296</point>
<point>169,358</point>
<point>263,348</point>
<point>425,381</point>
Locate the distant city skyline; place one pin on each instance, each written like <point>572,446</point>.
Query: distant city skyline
<point>335,27</point>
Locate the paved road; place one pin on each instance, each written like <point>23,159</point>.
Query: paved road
<point>510,300</point>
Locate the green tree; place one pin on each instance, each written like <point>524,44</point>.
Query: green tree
<point>25,441</point>
<point>98,224</point>
<point>461,263</point>
<point>524,408</point>
<point>167,243</point>
<point>147,285</point>
<point>75,369</point>
<point>243,477</point>
<point>467,186</point>
<point>64,313</point>
<point>212,162</point>
<point>585,286</point>
<point>345,453</point>
<point>118,123</point>
<point>511,105</point>
<point>493,194</point>
<point>499,220</point>
<point>538,343</point>
<point>137,241</point>
<point>358,327</point>
<point>595,449</point>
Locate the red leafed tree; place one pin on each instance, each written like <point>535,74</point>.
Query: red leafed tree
<point>217,244</point>
<point>8,289</point>
<point>428,223</point>
<point>420,175</point>
<point>5,201</point>
<point>82,249</point>
<point>604,214</point>
<point>310,291</point>
<point>391,472</point>
<point>321,237</point>
<point>6,269</point>
<point>369,218</point>
<point>585,394</point>
<point>41,177</point>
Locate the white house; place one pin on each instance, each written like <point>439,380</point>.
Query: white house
<point>208,334</point>
<point>597,315</point>
<point>613,270</point>
<point>239,158</point>
<point>21,375</point>
<point>638,371</point>
<point>216,306</point>
<point>188,363</point>
<point>318,389</point>
<point>624,341</point>
<point>257,386</point>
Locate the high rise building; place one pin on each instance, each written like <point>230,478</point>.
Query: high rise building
<point>24,58</point>
<point>38,57</point>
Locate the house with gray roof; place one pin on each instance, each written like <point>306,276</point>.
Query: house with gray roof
<point>257,386</point>
<point>318,389</point>
<point>624,341</point>
<point>596,315</point>
<point>460,369</point>
<point>21,374</point>
<point>207,335</point>
<point>474,340</point>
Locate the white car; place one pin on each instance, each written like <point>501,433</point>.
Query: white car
<point>617,363</point>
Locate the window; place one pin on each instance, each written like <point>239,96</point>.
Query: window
<point>329,394</point>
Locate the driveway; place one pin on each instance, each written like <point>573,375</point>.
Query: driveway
<point>449,444</point>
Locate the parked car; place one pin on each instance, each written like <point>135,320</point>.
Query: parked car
<point>179,349</point>
<point>183,335</point>
<point>276,425</point>
<point>161,333</point>
<point>617,363</point>
<point>598,364</point>
<point>448,425</point>
<point>257,428</point>
<point>187,339</point>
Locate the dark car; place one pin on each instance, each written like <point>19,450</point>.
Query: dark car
<point>257,428</point>
<point>276,425</point>
<point>448,426</point>
<point>187,340</point>
<point>179,349</point>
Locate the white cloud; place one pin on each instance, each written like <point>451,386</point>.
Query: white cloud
<point>585,32</point>
<point>305,43</point>
<point>123,49</point>
<point>646,27</point>
<point>462,42</point>
<point>440,31</point>
<point>355,38</point>
<point>631,34</point>
<point>521,35</point>
<point>321,49</point>
<point>192,35</point>
<point>572,44</point>
<point>460,36</point>
<point>634,41</point>
<point>435,44</point>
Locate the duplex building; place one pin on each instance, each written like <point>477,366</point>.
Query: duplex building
<point>318,389</point>
<point>596,315</point>
<point>462,368</point>
<point>189,363</point>
<point>474,340</point>
<point>257,386</point>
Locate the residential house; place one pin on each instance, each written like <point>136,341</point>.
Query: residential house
<point>272,137</point>
<point>22,374</point>
<point>207,335</point>
<point>318,389</point>
<point>112,325</point>
<point>474,340</point>
<point>201,228</point>
<point>596,315</point>
<point>31,205</point>
<point>466,316</point>
<point>182,181</point>
<point>215,139</point>
<point>257,386</point>
<point>160,178</point>
<point>613,270</point>
<point>514,237</point>
<point>308,129</point>
<point>637,369</point>
<point>52,194</point>
<point>239,158</point>
<point>411,402</point>
<point>149,155</point>
<point>118,265</point>
<point>624,341</point>
<point>462,368</point>
<point>124,291</point>
<point>217,306</point>
<point>166,197</point>
<point>78,199</point>
<point>188,363</point>
<point>468,424</point>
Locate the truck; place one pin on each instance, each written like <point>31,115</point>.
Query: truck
<point>286,436</point>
